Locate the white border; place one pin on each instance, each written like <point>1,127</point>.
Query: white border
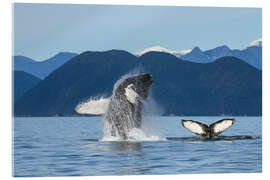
<point>215,3</point>
<point>6,49</point>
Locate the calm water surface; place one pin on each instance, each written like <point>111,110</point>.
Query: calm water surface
<point>70,146</point>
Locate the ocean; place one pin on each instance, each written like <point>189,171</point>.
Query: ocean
<point>73,146</point>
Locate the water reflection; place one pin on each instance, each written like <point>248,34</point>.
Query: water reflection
<point>131,155</point>
<point>115,146</point>
<point>122,146</point>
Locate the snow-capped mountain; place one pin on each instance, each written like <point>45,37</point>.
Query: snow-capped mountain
<point>252,54</point>
<point>185,51</point>
<point>257,42</point>
<point>162,49</point>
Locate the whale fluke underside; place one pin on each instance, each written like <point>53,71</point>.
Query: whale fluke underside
<point>205,130</point>
<point>221,125</point>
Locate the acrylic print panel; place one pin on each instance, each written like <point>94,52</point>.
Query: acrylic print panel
<point>102,89</point>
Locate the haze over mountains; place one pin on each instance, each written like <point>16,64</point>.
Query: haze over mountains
<point>227,85</point>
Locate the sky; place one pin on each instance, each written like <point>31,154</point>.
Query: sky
<point>40,31</point>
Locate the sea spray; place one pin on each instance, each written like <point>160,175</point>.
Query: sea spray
<point>150,119</point>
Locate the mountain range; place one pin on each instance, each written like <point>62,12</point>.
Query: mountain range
<point>227,85</point>
<point>252,54</point>
<point>41,69</point>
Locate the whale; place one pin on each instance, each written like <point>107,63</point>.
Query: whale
<point>124,111</point>
<point>206,131</point>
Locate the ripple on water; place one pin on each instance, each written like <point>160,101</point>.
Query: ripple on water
<point>53,147</point>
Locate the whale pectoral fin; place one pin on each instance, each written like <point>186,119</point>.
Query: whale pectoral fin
<point>221,125</point>
<point>131,95</point>
<point>130,98</point>
<point>195,127</point>
<point>93,106</point>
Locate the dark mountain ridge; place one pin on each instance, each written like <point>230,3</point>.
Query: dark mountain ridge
<point>226,86</point>
<point>22,83</point>
<point>220,87</point>
<point>89,74</point>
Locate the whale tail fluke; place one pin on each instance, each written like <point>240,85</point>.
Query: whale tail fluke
<point>221,125</point>
<point>205,130</point>
<point>195,127</point>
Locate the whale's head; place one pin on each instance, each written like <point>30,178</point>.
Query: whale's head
<point>135,88</point>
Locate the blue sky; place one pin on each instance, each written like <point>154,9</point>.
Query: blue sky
<point>43,30</point>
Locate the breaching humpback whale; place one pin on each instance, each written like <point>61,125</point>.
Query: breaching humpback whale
<point>123,110</point>
<point>208,131</point>
<point>125,107</point>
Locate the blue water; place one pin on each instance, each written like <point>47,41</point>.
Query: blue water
<point>60,146</point>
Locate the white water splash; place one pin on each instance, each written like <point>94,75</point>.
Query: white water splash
<point>136,134</point>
